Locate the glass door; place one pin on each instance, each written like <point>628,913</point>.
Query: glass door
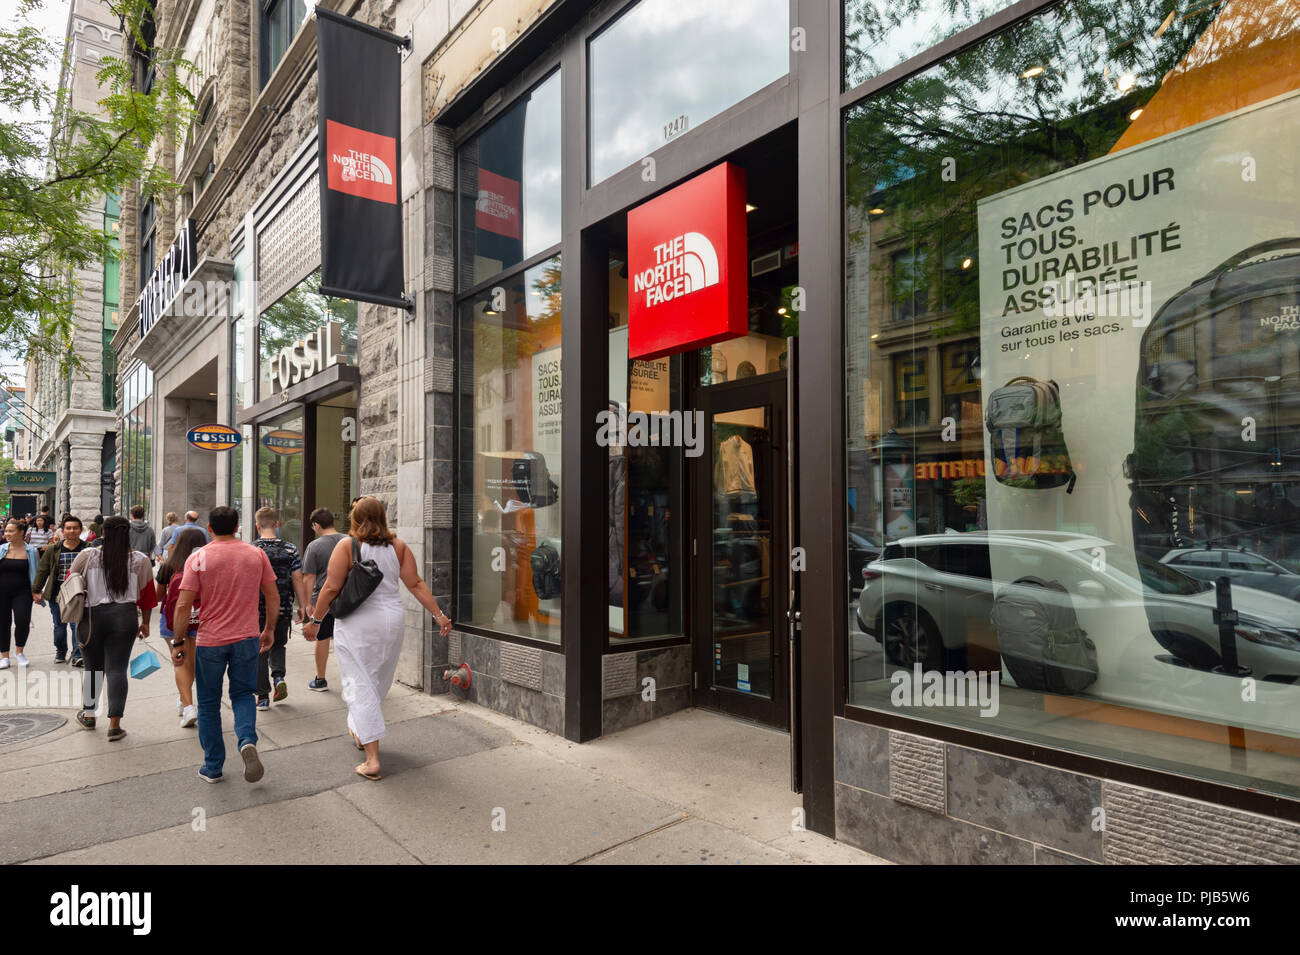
<point>740,552</point>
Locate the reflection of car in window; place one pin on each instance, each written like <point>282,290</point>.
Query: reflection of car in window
<point>927,599</point>
<point>1242,567</point>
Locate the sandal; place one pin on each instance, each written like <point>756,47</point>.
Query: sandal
<point>115,735</point>
<point>373,777</point>
<point>356,742</point>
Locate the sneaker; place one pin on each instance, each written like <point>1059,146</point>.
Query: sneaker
<point>4,663</point>
<point>22,659</point>
<point>189,716</point>
<point>281,689</point>
<point>79,662</point>
<point>252,764</point>
<point>263,702</point>
<point>86,721</point>
<point>180,707</point>
<point>319,685</point>
<point>209,779</point>
<point>60,658</point>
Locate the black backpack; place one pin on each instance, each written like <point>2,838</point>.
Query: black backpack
<point>1221,350</point>
<point>545,561</point>
<point>1039,636</point>
<point>1024,423</point>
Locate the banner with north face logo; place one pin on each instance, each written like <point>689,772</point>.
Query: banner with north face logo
<point>360,185</point>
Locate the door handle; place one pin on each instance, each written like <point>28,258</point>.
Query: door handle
<point>935,587</point>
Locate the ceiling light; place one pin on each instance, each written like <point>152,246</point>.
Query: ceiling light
<point>1033,71</point>
<point>966,262</point>
<point>781,310</point>
<point>1135,114</point>
<point>1126,82</point>
<point>876,211</point>
<point>749,208</point>
<point>875,336</point>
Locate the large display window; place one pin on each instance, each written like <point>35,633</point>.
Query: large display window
<point>302,334</point>
<point>1075,246</point>
<point>508,577</point>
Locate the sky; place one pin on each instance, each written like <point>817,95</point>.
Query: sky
<point>51,17</point>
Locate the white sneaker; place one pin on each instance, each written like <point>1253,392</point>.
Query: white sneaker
<point>180,707</point>
<point>189,717</point>
<point>22,660</point>
<point>4,663</point>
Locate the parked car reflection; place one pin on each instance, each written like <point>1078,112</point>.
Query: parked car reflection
<point>1243,567</point>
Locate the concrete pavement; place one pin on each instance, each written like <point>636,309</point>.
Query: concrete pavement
<point>461,784</point>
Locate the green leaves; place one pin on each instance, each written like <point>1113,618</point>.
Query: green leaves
<point>59,159</point>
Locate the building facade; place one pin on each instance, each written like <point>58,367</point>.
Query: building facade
<point>71,417</point>
<point>1009,394</point>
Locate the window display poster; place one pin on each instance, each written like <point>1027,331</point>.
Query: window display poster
<point>1073,269</point>
<point>547,422</point>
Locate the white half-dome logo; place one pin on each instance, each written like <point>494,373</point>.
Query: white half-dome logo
<point>358,166</point>
<point>683,265</point>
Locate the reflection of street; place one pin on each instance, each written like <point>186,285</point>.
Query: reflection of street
<point>866,656</point>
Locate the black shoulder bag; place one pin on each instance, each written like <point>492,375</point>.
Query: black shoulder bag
<point>363,577</point>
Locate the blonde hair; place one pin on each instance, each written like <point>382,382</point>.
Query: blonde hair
<point>266,517</point>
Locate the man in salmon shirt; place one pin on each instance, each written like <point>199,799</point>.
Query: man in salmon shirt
<point>227,576</point>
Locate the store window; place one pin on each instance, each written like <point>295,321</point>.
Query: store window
<point>302,334</point>
<point>1120,378</point>
<point>665,67</point>
<point>112,303</point>
<point>137,440</point>
<point>148,240</point>
<point>879,34</point>
<point>280,22</point>
<point>510,184</point>
<point>647,571</point>
<point>281,443</point>
<point>508,578</point>
<point>337,466</point>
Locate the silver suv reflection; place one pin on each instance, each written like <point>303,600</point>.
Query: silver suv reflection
<point>927,599</point>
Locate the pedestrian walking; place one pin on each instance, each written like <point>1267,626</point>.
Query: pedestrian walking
<point>192,520</point>
<point>118,584</point>
<point>53,570</point>
<point>165,538</point>
<point>142,535</point>
<point>287,564</point>
<point>17,558</point>
<point>315,564</point>
<point>368,641</point>
<point>227,575</point>
<point>181,645</point>
<point>39,534</point>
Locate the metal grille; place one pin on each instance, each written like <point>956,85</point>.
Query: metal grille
<point>20,727</point>
<point>288,249</point>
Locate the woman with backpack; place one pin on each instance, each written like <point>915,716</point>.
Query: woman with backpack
<point>368,641</point>
<point>118,583</point>
<point>17,558</point>
<point>185,542</point>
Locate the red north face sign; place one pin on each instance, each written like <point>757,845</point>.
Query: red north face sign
<point>686,266</point>
<point>360,163</point>
<point>497,207</point>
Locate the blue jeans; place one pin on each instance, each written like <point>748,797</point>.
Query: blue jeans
<point>61,632</point>
<point>210,667</point>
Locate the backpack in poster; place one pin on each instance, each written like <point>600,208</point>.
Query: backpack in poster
<point>1216,439</point>
<point>1028,446</point>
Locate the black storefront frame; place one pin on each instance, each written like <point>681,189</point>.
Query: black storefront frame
<point>831,592</point>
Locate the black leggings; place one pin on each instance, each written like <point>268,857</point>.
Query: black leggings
<point>15,600</point>
<point>113,631</point>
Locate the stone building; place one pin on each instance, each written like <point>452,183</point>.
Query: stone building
<point>73,421</point>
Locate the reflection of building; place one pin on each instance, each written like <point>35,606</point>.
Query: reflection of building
<point>75,437</point>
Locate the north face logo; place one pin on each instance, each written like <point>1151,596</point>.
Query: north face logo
<point>683,265</point>
<point>360,163</point>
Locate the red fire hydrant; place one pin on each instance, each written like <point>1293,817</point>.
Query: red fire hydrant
<point>459,677</point>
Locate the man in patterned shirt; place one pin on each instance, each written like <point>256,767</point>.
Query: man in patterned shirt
<point>287,564</point>
<point>56,561</point>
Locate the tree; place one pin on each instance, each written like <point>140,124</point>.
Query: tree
<point>57,167</point>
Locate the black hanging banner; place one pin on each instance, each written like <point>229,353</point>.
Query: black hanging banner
<point>360,183</point>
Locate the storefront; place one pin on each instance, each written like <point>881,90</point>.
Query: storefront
<point>1019,337</point>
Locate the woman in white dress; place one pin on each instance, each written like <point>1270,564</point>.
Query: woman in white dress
<point>368,641</point>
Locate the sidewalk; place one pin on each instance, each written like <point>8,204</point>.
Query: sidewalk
<point>461,784</point>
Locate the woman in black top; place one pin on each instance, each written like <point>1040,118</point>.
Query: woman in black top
<point>17,571</point>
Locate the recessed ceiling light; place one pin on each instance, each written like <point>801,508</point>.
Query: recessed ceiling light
<point>1126,82</point>
<point>966,262</point>
<point>875,336</point>
<point>1135,114</point>
<point>876,211</point>
<point>749,208</point>
<point>1033,71</point>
